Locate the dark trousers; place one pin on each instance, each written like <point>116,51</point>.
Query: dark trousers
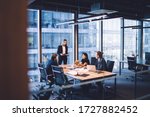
<point>62,59</point>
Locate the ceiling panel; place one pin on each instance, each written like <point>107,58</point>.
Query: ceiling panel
<point>125,8</point>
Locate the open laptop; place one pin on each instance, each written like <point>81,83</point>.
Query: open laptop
<point>91,68</point>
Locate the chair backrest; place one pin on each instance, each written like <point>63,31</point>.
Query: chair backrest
<point>93,60</point>
<point>110,65</point>
<point>41,65</point>
<point>131,63</point>
<point>60,78</point>
<point>147,62</point>
<point>43,74</point>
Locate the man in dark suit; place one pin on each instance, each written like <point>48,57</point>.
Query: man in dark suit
<point>62,52</point>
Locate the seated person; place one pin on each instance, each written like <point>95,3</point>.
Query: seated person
<point>84,62</point>
<point>100,61</point>
<point>100,65</point>
<point>51,62</point>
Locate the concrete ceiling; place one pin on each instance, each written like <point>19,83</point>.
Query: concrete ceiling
<point>134,9</point>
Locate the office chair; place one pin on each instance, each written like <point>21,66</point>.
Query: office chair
<point>131,63</point>
<point>48,80</point>
<point>110,65</point>
<point>133,66</point>
<point>44,77</point>
<point>93,60</point>
<point>109,90</point>
<point>42,95</point>
<point>61,80</point>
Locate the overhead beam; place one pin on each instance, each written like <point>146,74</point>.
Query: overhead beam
<point>31,1</point>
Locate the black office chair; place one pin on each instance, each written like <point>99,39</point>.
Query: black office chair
<point>60,77</point>
<point>109,90</point>
<point>38,95</point>
<point>110,65</point>
<point>44,77</point>
<point>61,80</point>
<point>132,63</point>
<point>133,66</point>
<point>93,60</point>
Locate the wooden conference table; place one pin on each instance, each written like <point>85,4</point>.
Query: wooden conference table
<point>83,74</point>
<point>88,77</point>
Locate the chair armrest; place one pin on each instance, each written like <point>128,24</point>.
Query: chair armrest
<point>49,75</point>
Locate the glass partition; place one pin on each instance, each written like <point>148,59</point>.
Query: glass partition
<point>89,39</point>
<point>111,40</point>
<point>146,37</point>
<point>130,38</point>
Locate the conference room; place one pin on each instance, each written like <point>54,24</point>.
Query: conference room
<point>76,50</point>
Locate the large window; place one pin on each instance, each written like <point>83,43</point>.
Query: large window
<point>111,40</point>
<point>88,38</point>
<point>54,32</point>
<point>33,44</point>
<point>146,38</point>
<point>130,38</point>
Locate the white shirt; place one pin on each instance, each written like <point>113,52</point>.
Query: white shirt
<point>63,50</point>
<point>99,60</point>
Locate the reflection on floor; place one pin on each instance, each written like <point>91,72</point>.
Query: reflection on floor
<point>125,89</point>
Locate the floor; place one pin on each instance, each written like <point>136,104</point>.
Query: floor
<point>124,89</point>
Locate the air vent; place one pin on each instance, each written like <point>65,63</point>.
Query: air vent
<point>99,8</point>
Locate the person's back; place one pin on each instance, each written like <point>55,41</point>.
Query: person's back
<point>49,71</point>
<point>49,66</point>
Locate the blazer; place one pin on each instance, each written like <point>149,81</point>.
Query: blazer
<point>59,50</point>
<point>49,66</point>
<point>101,65</point>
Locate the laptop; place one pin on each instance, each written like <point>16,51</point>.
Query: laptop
<point>91,68</point>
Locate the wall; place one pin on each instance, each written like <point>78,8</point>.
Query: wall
<point>13,49</point>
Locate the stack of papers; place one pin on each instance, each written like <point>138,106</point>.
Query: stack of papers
<point>72,72</point>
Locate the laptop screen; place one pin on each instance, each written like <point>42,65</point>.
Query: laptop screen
<point>91,67</point>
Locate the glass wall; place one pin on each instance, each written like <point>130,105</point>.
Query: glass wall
<point>130,38</point>
<point>54,32</point>
<point>33,44</point>
<point>146,38</point>
<point>89,39</point>
<point>111,40</point>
